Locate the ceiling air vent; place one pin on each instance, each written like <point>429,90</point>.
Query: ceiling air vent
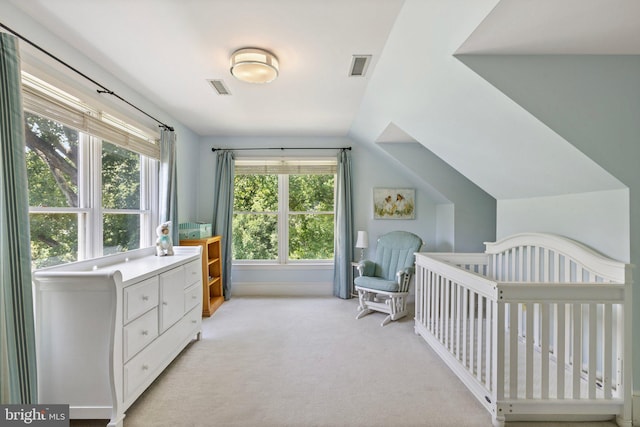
<point>219,87</point>
<point>359,65</point>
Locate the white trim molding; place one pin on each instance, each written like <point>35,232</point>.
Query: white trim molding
<point>280,289</point>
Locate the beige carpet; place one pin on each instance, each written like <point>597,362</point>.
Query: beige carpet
<point>277,362</point>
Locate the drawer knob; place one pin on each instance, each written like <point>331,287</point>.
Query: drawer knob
<point>194,321</point>
<point>145,332</point>
<point>145,367</point>
<point>165,303</point>
<point>145,298</point>
<point>193,297</point>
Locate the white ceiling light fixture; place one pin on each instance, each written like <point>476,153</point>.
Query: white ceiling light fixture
<point>254,65</point>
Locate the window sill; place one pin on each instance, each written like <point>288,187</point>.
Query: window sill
<point>293,266</point>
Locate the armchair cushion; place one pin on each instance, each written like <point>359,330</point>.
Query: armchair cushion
<point>377,283</point>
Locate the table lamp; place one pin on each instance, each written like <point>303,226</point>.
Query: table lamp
<point>362,242</point>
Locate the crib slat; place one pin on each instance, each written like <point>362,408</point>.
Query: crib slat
<point>458,292</point>
<point>536,325</point>
<point>512,264</point>
<point>488,343</point>
<point>535,265</point>
<point>437,309</point>
<point>544,348</point>
<point>521,319</point>
<point>521,263</point>
<point>529,351</point>
<point>481,301</point>
<point>593,347</point>
<point>577,349</point>
<point>472,324</point>
<point>418,300</point>
<point>432,304</point>
<point>427,299</point>
<point>446,317</point>
<point>513,351</point>
<point>607,363</point>
<point>579,273</point>
<point>499,368</point>
<point>424,276</point>
<point>560,351</point>
<point>465,311</point>
<point>544,260</point>
<point>620,336</point>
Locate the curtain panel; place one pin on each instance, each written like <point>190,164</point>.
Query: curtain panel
<point>222,224</point>
<point>343,234</point>
<point>168,183</point>
<point>17,335</point>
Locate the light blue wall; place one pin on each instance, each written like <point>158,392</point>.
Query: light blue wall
<point>473,213</point>
<point>593,101</point>
<point>373,169</point>
<point>599,219</point>
<point>370,169</point>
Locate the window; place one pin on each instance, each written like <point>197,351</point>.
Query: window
<point>88,196</point>
<point>283,210</point>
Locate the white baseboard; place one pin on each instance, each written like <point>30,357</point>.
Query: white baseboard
<point>282,289</point>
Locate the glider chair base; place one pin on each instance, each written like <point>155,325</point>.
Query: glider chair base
<point>392,303</point>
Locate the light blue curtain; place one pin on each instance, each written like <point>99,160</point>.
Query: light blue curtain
<point>223,212</point>
<point>17,337</point>
<point>343,233</point>
<point>169,182</point>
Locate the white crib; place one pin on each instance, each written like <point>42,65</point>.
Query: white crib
<point>537,327</point>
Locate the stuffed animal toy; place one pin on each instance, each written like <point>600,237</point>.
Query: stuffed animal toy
<point>164,245</point>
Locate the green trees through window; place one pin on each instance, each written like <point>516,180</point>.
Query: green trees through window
<point>283,217</point>
<point>52,167</point>
<point>62,179</point>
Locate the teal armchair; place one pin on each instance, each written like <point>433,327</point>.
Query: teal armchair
<point>383,284</point>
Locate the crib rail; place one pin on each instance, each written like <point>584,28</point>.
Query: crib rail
<point>529,347</point>
<point>453,302</point>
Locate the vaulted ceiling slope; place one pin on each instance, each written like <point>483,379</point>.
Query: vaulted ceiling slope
<point>421,87</point>
<point>449,74</point>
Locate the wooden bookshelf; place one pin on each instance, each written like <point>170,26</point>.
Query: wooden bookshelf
<point>212,294</point>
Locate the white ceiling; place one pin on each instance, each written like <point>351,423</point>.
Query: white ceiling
<point>167,49</point>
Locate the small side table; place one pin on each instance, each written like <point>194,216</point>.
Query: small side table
<point>354,273</point>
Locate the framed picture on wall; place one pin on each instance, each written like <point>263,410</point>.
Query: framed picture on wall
<point>394,203</point>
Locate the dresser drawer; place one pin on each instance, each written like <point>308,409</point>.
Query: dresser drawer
<point>193,273</point>
<point>137,334</point>
<point>192,296</point>
<point>140,298</point>
<point>191,323</point>
<point>140,370</point>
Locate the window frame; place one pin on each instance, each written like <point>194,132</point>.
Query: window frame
<point>90,212</point>
<point>283,212</point>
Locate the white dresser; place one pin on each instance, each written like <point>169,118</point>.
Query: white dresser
<point>107,327</point>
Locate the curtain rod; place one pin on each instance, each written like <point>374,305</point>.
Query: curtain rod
<point>281,148</point>
<point>102,89</point>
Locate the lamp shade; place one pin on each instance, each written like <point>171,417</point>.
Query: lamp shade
<point>254,65</point>
<point>362,240</point>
